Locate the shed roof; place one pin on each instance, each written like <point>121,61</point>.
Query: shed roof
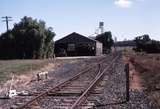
<point>74,37</point>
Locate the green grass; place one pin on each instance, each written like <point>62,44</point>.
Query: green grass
<point>19,67</point>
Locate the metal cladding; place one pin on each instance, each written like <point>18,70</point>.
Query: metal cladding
<point>75,44</point>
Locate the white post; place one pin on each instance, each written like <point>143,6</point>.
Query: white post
<point>11,81</point>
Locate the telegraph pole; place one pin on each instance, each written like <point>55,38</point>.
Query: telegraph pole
<point>6,19</point>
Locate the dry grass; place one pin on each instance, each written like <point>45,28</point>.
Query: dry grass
<point>19,67</point>
<point>25,72</point>
<point>148,66</point>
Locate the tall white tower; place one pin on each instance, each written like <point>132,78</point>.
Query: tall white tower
<point>100,29</point>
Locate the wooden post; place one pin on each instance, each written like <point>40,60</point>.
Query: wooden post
<point>46,75</point>
<point>127,82</point>
<point>38,77</point>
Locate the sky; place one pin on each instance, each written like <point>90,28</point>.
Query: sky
<point>126,19</point>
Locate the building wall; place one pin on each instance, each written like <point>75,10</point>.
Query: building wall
<point>122,48</point>
<point>99,48</point>
<point>77,45</point>
<point>79,49</point>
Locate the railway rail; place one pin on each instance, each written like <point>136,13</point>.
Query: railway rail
<point>72,93</point>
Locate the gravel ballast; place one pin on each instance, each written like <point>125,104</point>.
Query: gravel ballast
<point>113,95</point>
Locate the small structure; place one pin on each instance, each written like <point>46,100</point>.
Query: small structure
<point>42,75</point>
<point>75,44</point>
<point>121,45</point>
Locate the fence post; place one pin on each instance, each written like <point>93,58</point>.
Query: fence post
<point>127,82</point>
<point>38,77</point>
<point>46,76</point>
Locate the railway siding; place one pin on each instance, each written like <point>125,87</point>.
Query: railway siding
<point>109,92</point>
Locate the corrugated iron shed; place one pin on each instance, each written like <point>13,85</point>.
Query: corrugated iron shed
<point>76,44</point>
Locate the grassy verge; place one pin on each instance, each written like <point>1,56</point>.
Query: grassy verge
<point>19,67</point>
<point>148,66</point>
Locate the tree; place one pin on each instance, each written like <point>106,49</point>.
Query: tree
<point>7,45</point>
<point>145,44</point>
<point>106,40</point>
<point>31,39</point>
<point>140,42</point>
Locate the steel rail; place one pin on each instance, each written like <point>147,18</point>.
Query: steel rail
<point>57,87</point>
<point>99,75</point>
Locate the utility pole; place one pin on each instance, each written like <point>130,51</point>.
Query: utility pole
<point>6,19</point>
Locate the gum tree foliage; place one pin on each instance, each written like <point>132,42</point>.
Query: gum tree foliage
<point>140,42</point>
<point>29,39</point>
<point>145,44</point>
<point>106,39</point>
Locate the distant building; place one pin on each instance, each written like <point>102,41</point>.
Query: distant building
<point>121,45</point>
<point>75,44</point>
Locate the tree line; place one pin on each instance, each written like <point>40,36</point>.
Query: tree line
<point>145,44</point>
<point>29,39</point>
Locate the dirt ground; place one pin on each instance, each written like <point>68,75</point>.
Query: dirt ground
<point>145,74</point>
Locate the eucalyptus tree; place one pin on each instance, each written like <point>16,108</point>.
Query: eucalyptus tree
<point>31,39</point>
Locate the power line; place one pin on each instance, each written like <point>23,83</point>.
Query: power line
<point>6,19</point>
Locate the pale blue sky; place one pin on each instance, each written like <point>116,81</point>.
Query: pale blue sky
<point>124,18</point>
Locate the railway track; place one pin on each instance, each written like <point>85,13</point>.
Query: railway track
<point>79,91</point>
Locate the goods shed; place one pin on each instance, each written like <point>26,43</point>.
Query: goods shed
<point>75,44</point>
